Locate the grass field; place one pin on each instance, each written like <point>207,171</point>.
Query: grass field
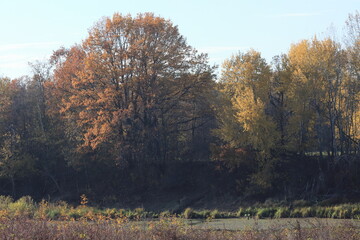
<point>25,219</point>
<point>176,229</point>
<point>240,224</point>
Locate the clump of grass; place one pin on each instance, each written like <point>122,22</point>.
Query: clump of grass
<point>265,213</point>
<point>189,213</point>
<point>282,212</point>
<point>250,211</point>
<point>204,214</point>
<point>355,212</point>
<point>296,213</point>
<point>54,214</point>
<point>111,213</point>
<point>215,214</point>
<point>22,207</point>
<point>329,211</point>
<point>240,212</point>
<point>320,212</point>
<point>5,201</point>
<point>165,214</point>
<point>307,212</point>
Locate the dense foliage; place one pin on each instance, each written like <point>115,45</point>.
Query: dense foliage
<point>131,108</point>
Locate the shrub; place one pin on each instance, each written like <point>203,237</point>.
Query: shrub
<point>202,214</point>
<point>307,212</point>
<point>215,214</point>
<point>266,213</point>
<point>282,212</point>
<point>296,213</point>
<point>122,212</point>
<point>111,213</point>
<point>139,212</point>
<point>250,211</point>
<point>165,214</point>
<point>188,213</point>
<point>5,201</point>
<point>22,207</point>
<point>320,212</point>
<point>42,209</point>
<point>240,212</point>
<point>73,213</point>
<point>53,213</point>
<point>355,212</point>
<point>329,211</point>
<point>347,211</point>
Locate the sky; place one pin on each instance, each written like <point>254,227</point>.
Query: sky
<point>31,30</point>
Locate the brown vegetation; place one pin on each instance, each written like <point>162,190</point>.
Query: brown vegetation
<point>165,229</point>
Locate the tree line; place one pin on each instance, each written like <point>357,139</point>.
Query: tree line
<point>134,98</point>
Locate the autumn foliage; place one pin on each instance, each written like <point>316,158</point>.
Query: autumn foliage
<point>134,101</point>
<point>132,88</point>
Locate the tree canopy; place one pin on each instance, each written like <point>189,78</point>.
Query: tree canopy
<point>134,103</point>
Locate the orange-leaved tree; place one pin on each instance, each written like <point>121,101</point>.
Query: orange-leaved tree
<point>132,89</point>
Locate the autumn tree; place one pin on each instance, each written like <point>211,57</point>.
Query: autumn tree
<point>246,83</point>
<point>317,81</point>
<point>245,118</point>
<point>281,94</point>
<point>133,89</point>
<point>351,100</point>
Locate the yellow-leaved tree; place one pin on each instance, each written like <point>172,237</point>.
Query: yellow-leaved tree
<point>246,86</point>
<point>317,80</point>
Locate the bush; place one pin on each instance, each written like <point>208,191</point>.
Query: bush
<point>204,214</point>
<point>266,213</point>
<point>111,213</point>
<point>53,214</point>
<point>5,201</point>
<point>240,212</point>
<point>165,214</point>
<point>215,214</point>
<point>250,211</point>
<point>73,213</point>
<point>122,212</point>
<point>320,212</point>
<point>296,213</point>
<point>139,213</point>
<point>355,212</point>
<point>22,207</point>
<point>282,212</point>
<point>307,212</point>
<point>188,213</point>
<point>329,211</point>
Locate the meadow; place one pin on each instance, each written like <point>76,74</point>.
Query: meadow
<point>26,219</point>
<point>177,228</point>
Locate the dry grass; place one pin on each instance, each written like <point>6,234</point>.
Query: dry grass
<point>24,219</point>
<point>164,229</point>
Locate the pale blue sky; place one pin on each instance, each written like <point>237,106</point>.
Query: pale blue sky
<point>31,30</point>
